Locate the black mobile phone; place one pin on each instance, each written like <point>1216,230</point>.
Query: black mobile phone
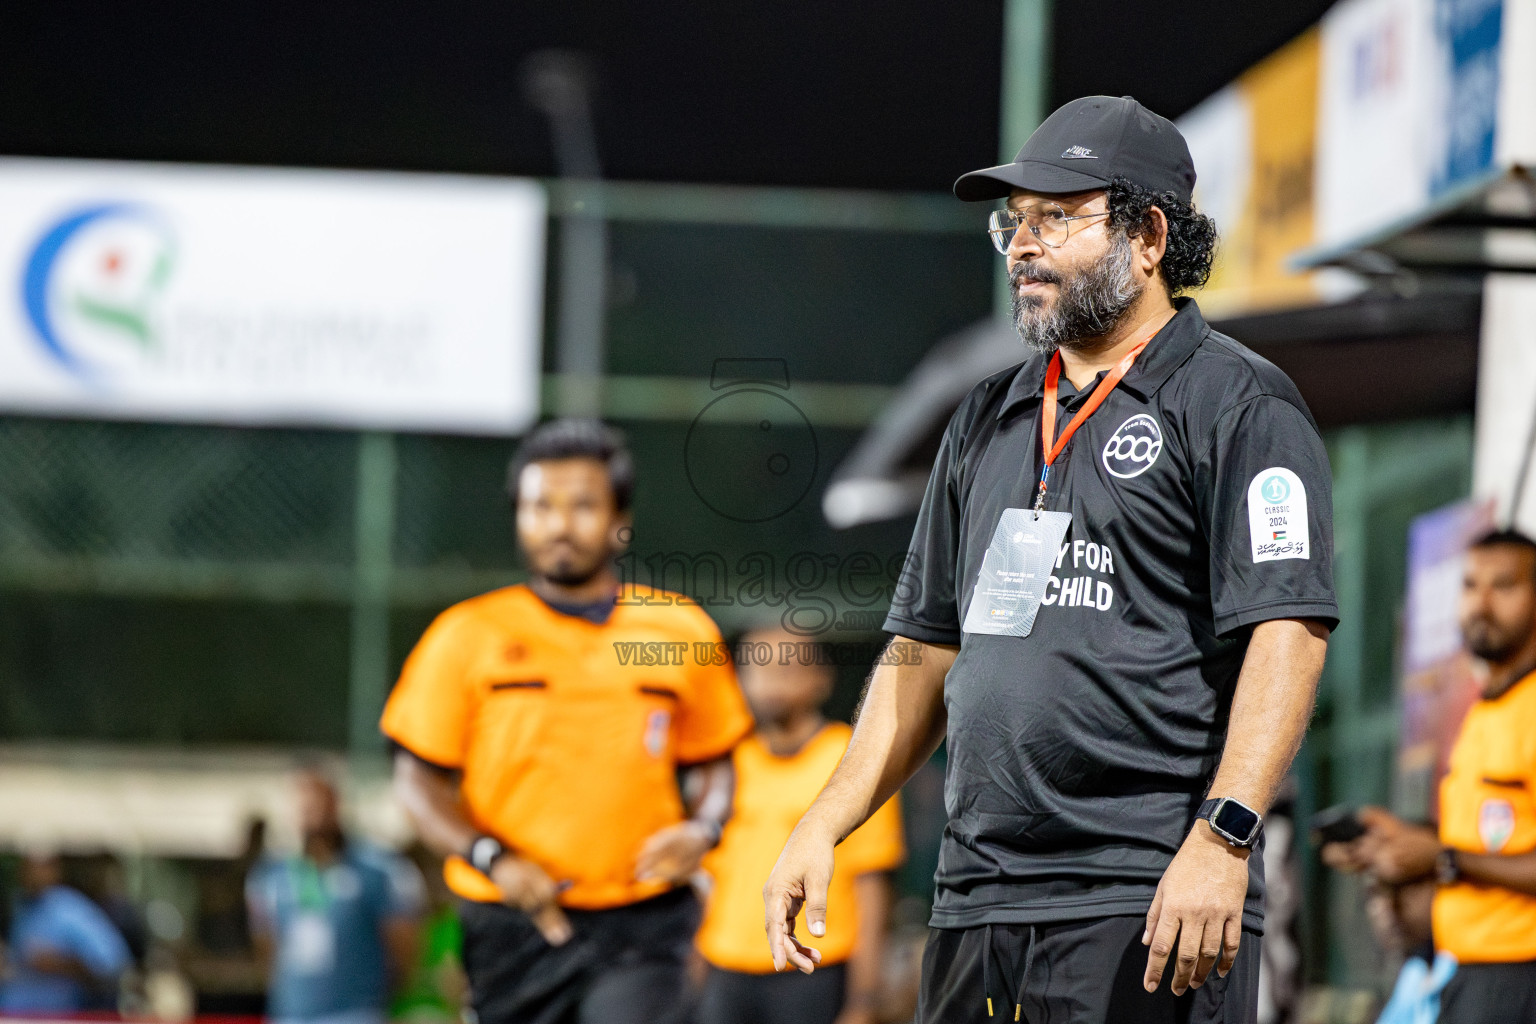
<point>1337,824</point>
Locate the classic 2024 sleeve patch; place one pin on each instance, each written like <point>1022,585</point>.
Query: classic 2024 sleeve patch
<point>1277,515</point>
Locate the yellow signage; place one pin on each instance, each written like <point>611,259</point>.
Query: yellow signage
<point>1262,196</point>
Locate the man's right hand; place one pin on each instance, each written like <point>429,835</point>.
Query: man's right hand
<point>524,886</point>
<point>799,879</point>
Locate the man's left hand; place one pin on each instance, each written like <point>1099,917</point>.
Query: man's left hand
<point>673,854</point>
<point>1199,904</point>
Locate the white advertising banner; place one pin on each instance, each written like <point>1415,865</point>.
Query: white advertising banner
<point>270,296</point>
<point>1373,148</point>
<point>1408,105</point>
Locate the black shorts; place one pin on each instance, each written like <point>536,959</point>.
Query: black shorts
<point>789,997</point>
<point>624,966</point>
<point>1086,972</point>
<point>1490,994</point>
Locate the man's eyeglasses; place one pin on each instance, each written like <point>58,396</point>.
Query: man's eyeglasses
<point>1046,221</point>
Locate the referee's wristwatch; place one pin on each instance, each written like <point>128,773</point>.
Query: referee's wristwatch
<point>1233,820</point>
<point>483,853</point>
<point>1447,867</point>
<point>713,829</point>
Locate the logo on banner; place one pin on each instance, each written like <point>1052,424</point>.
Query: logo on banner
<point>1495,823</point>
<point>1277,516</point>
<point>92,285</point>
<point>1135,445</point>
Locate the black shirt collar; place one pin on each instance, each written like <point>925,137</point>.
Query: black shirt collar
<point>1167,351</point>
<point>595,612</point>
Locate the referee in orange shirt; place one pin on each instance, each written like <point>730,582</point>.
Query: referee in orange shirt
<point>779,771</point>
<point>1483,854</point>
<point>541,729</point>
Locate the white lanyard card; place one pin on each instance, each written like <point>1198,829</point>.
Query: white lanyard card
<point>1011,583</point>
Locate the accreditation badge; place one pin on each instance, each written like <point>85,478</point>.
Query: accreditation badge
<point>1011,583</point>
<point>309,945</point>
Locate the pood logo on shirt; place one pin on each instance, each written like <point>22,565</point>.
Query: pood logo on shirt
<point>1134,448</point>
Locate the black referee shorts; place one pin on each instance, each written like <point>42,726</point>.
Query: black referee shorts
<point>789,997</point>
<point>623,966</point>
<point>1490,994</point>
<point>1086,972</point>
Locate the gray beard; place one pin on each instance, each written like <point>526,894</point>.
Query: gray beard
<point>1088,304</point>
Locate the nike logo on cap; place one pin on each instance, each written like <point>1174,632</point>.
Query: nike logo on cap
<point>1078,153</point>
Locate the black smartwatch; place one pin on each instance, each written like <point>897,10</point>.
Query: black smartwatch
<point>1233,820</point>
<point>483,853</point>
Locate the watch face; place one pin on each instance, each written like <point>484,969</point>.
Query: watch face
<point>483,851</point>
<point>1235,820</point>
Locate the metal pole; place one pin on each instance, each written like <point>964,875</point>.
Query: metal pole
<point>374,533</point>
<point>1517,498</point>
<point>1026,91</point>
<point>1341,695</point>
<point>559,84</point>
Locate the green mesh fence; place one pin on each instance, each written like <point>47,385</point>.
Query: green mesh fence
<point>140,491</point>
<point>187,583</point>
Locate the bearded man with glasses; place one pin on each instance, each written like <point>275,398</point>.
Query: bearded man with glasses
<point>1120,595</point>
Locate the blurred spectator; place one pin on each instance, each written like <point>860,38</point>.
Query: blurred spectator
<point>779,771</point>
<point>337,922</point>
<point>1483,855</point>
<point>65,954</point>
<point>103,880</point>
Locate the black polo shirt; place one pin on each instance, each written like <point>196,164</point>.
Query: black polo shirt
<point>1201,504</point>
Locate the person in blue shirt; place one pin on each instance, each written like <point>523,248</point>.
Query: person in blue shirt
<point>337,923</point>
<point>65,954</point>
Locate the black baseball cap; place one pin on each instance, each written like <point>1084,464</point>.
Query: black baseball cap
<point>1086,144</point>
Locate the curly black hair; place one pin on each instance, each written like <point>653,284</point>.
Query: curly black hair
<point>1191,234</point>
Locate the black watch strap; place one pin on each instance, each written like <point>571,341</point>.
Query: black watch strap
<point>483,853</point>
<point>1224,814</point>
<point>714,828</point>
<point>1447,867</point>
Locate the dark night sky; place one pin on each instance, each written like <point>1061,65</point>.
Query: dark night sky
<point>794,93</point>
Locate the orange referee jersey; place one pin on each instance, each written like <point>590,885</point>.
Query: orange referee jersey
<point>771,794</point>
<point>568,733</point>
<point>1488,805</point>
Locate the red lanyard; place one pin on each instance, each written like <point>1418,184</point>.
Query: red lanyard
<point>1096,399</point>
